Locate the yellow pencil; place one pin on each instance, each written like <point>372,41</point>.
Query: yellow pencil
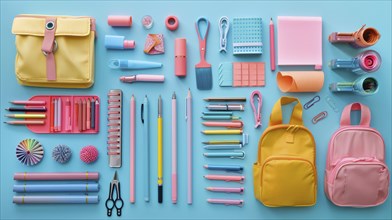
<point>26,115</point>
<point>229,131</point>
<point>160,152</point>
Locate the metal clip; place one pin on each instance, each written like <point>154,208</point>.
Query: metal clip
<point>224,27</point>
<point>320,116</point>
<point>313,101</point>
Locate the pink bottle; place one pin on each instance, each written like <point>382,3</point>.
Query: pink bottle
<point>180,57</point>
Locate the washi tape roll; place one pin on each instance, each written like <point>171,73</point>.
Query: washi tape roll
<point>300,81</point>
<point>172,22</point>
<point>120,20</point>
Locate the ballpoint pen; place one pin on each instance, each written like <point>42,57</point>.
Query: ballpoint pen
<point>239,179</point>
<point>174,148</point>
<point>222,132</point>
<point>223,146</point>
<point>146,139</point>
<point>160,152</point>
<point>228,124</point>
<point>132,151</point>
<point>142,78</point>
<point>188,118</point>
<point>231,155</point>
<point>219,117</point>
<point>222,167</point>
<point>226,189</point>
<point>218,113</point>
<point>225,107</point>
<point>236,202</point>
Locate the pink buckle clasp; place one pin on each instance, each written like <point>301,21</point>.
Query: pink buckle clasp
<point>256,113</point>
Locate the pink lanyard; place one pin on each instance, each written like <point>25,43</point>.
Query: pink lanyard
<point>256,114</point>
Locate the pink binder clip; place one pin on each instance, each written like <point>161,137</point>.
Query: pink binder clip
<point>256,114</point>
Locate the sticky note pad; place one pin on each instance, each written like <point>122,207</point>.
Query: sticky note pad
<point>300,41</point>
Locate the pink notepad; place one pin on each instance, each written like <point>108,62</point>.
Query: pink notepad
<point>300,41</point>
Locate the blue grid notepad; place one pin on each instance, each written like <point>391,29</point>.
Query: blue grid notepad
<point>247,36</point>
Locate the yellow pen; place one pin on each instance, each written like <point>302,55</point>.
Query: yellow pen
<point>229,131</point>
<point>26,115</point>
<point>160,152</point>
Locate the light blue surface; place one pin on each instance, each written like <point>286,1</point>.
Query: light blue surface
<point>345,16</point>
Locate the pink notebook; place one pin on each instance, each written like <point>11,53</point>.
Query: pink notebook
<point>300,41</point>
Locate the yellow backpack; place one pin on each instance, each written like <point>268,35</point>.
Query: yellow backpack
<point>285,171</point>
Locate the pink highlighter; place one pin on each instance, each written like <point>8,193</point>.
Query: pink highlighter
<point>142,78</point>
<point>180,57</point>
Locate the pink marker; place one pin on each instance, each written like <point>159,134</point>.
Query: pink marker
<point>226,189</point>
<point>132,152</point>
<point>174,148</point>
<point>237,202</point>
<point>239,179</point>
<point>272,45</point>
<point>230,124</point>
<point>142,78</point>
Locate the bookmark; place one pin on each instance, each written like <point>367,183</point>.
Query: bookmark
<point>234,202</point>
<point>114,127</point>
<point>239,190</point>
<point>231,155</point>
<point>239,179</point>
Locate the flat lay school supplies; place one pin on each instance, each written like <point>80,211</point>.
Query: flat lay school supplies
<point>116,202</point>
<point>247,36</point>
<point>203,69</point>
<point>114,124</point>
<point>146,146</point>
<point>300,41</point>
<point>365,62</point>
<point>363,37</point>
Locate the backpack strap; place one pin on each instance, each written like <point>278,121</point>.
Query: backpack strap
<point>345,120</point>
<point>276,114</point>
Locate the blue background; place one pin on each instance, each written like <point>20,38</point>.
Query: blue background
<point>344,16</point>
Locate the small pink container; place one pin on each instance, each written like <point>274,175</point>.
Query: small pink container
<point>120,20</point>
<point>180,57</point>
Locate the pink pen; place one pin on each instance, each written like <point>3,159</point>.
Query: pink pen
<point>237,202</point>
<point>272,45</point>
<point>132,151</point>
<point>226,189</point>
<point>174,148</point>
<point>142,78</point>
<point>228,124</point>
<point>239,179</point>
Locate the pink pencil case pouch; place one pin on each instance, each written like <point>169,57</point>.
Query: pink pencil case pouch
<point>69,122</point>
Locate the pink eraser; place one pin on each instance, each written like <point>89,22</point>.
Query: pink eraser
<point>120,20</point>
<point>180,56</point>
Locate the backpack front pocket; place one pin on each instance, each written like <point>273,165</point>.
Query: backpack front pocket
<point>288,181</point>
<point>359,183</point>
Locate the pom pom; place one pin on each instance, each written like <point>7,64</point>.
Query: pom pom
<point>89,154</point>
<point>61,153</point>
<point>29,152</point>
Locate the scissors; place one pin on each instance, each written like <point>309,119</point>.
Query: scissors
<point>118,202</point>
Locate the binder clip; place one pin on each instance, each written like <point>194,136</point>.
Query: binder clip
<point>362,86</point>
<point>364,37</point>
<point>365,62</point>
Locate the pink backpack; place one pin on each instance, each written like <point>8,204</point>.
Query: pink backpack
<point>356,174</point>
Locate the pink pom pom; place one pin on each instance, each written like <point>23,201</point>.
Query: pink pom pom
<point>89,154</point>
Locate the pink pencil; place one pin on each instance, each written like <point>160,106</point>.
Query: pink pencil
<point>28,102</point>
<point>174,148</point>
<point>25,122</point>
<point>132,152</point>
<point>272,45</point>
<point>189,143</point>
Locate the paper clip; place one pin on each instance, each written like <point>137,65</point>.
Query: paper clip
<point>320,116</point>
<point>224,27</point>
<point>313,101</point>
<point>256,114</point>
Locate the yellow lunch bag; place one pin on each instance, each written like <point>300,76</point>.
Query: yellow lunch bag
<point>54,51</point>
<point>285,171</point>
